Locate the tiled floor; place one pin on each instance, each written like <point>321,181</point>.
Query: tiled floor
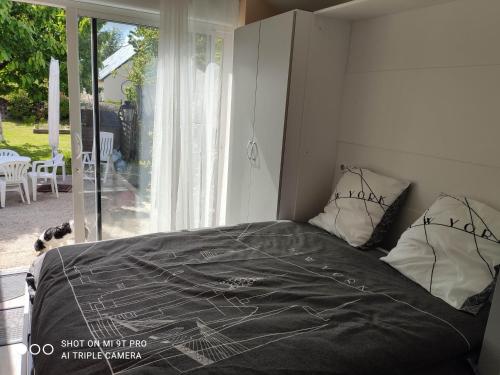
<point>11,356</point>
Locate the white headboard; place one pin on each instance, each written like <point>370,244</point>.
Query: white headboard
<point>421,101</point>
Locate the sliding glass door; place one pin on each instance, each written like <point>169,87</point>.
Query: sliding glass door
<point>127,176</point>
<point>117,75</point>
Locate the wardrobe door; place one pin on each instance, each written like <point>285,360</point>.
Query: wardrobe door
<point>270,109</point>
<point>246,42</point>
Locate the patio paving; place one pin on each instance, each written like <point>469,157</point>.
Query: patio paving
<point>21,224</point>
<point>124,214</point>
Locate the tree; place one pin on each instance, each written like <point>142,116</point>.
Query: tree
<point>144,39</point>
<point>31,35</point>
<point>1,129</point>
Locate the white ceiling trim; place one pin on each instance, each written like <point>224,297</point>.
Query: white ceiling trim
<point>362,9</point>
<point>148,6</point>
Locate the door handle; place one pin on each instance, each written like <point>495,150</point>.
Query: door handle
<point>78,154</point>
<point>79,145</point>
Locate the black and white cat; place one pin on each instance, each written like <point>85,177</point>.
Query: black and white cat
<point>55,237</point>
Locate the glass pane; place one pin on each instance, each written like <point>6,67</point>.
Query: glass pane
<point>127,76</point>
<point>86,105</point>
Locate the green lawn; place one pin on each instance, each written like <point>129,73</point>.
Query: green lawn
<point>20,138</point>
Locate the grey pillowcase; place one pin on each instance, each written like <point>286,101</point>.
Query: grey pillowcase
<point>387,220</point>
<point>475,303</point>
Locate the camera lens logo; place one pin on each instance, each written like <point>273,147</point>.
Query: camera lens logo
<point>35,349</point>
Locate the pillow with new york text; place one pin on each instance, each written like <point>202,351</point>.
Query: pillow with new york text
<point>453,251</point>
<point>362,207</point>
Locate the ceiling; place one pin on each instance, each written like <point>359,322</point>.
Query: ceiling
<point>279,5</point>
<point>370,8</point>
<point>310,5</point>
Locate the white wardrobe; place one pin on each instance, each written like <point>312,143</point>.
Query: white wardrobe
<point>287,80</point>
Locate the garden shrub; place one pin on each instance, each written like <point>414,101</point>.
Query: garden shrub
<point>64,114</point>
<point>20,106</point>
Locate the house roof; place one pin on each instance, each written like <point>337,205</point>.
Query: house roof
<point>116,60</point>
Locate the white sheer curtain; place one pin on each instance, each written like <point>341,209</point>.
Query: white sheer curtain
<point>186,147</point>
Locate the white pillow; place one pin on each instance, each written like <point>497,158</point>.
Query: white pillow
<point>359,203</point>
<point>451,250</point>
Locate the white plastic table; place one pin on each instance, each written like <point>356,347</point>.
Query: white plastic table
<point>8,159</point>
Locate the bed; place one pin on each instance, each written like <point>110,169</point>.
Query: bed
<point>263,298</point>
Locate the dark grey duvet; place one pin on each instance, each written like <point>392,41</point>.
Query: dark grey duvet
<point>265,298</point>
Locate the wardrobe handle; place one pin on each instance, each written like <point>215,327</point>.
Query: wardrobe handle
<point>255,151</point>
<point>249,150</point>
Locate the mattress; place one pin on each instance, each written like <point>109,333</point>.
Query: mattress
<point>262,298</point>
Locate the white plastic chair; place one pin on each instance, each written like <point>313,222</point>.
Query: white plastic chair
<point>42,172</point>
<point>57,161</point>
<point>88,158</point>
<point>15,178</point>
<point>5,153</point>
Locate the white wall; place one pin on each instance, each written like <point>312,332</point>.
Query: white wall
<point>112,84</point>
<point>421,101</point>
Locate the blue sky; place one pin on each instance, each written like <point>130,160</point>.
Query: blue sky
<point>122,27</point>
